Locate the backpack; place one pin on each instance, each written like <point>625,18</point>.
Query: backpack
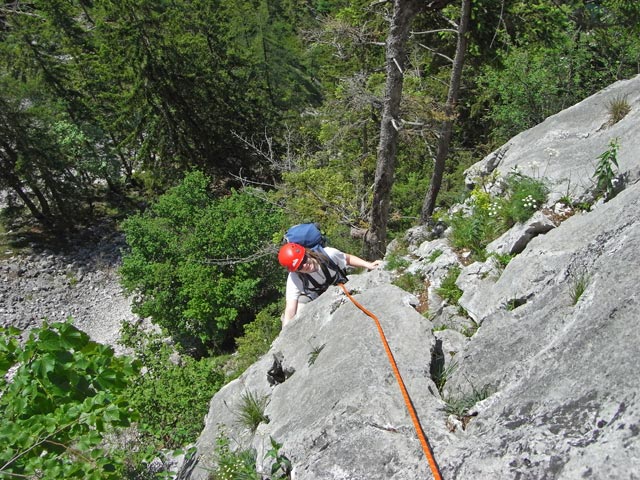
<point>306,234</point>
<point>310,236</point>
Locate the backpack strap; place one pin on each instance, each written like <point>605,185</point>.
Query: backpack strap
<point>327,265</point>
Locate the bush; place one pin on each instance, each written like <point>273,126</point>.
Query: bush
<point>65,394</point>
<point>525,195</point>
<point>257,339</point>
<point>171,397</point>
<point>202,267</point>
<point>490,217</point>
<point>473,232</point>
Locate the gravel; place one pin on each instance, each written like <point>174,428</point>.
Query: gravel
<point>77,280</point>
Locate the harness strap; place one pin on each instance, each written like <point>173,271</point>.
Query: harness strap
<point>405,394</point>
<point>318,287</point>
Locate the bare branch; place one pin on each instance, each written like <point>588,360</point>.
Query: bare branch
<point>266,250</point>
<point>436,52</point>
<point>449,30</point>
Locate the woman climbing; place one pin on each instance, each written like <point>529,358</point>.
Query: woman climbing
<point>312,272</point>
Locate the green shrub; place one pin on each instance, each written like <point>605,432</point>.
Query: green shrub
<point>395,261</point>
<point>604,173</point>
<point>241,464</point>
<point>233,465</point>
<point>202,267</point>
<point>171,398</point>
<point>257,339</point>
<point>525,195</point>
<point>66,393</point>
<point>490,217</point>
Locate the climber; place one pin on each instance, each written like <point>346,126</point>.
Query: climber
<point>312,272</point>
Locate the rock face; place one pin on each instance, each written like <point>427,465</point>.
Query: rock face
<point>564,148</point>
<point>339,411</point>
<point>554,373</point>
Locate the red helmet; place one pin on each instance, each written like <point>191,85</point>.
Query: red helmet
<point>291,255</point>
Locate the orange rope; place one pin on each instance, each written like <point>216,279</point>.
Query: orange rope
<point>405,394</point>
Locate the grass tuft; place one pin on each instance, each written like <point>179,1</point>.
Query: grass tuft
<point>251,412</point>
<point>579,283</point>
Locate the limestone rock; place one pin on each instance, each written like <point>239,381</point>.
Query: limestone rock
<point>564,148</point>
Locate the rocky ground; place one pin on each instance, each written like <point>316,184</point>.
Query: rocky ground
<point>77,279</point>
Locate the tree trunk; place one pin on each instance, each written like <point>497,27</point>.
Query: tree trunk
<point>404,11</point>
<point>447,126</point>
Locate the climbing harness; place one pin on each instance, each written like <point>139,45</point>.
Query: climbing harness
<point>405,394</point>
<point>339,276</point>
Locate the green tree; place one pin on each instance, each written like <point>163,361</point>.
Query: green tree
<point>202,267</point>
<point>63,394</point>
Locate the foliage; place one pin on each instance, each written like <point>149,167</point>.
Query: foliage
<point>551,56</point>
<point>474,231</point>
<point>489,217</point>
<point>201,267</point>
<point>281,466</point>
<point>329,196</point>
<point>256,340</point>
<point>448,289</point>
<point>411,282</point>
<point>396,261</point>
<point>460,405</point>
<point>525,195</point>
<point>100,92</point>
<point>579,284</point>
<point>233,465</point>
<point>172,395</point>
<point>618,108</point>
<point>64,394</point>
<point>251,410</point>
<point>241,464</point>
<point>604,174</point>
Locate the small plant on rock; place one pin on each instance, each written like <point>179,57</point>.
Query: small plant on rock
<point>313,355</point>
<point>281,466</point>
<point>251,412</point>
<point>448,289</point>
<point>434,255</point>
<point>459,406</point>
<point>441,373</point>
<point>605,174</point>
<point>233,465</point>
<point>618,108</point>
<point>579,283</point>
<point>502,259</point>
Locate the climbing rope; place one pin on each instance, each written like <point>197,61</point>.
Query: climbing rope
<point>405,394</point>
